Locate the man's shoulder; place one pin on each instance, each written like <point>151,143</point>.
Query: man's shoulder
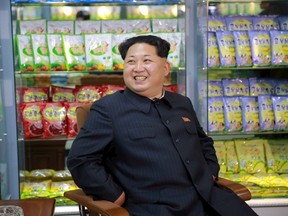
<point>175,96</point>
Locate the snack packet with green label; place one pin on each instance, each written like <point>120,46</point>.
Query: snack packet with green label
<point>40,52</point>
<point>26,60</point>
<point>98,50</point>
<point>74,50</point>
<point>56,52</point>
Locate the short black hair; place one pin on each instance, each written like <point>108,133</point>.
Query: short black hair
<point>161,45</point>
<point>82,15</point>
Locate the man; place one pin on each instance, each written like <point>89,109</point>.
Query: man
<point>143,147</point>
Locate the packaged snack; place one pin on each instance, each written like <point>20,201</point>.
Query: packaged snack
<point>233,114</point>
<point>98,50</point>
<point>279,149</point>
<point>61,94</point>
<point>270,161</point>
<point>74,50</point>
<point>260,47</point>
<point>58,188</point>
<point>60,27</point>
<point>226,46</point>
<point>62,175</point>
<point>235,87</point>
<point>71,118</point>
<point>170,87</point>
<point>32,119</point>
<point>41,174</point>
<point>118,62</point>
<point>56,52</point>
<point>40,52</point>
<point>87,26</point>
<point>113,26</point>
<point>251,156</point>
<point>213,51</point>
<point>265,23</point>
<point>281,87</point>
<point>174,53</point>
<point>242,48</point>
<point>232,160</point>
<point>283,22</point>
<point>215,88</point>
<point>216,23</point>
<point>35,94</point>
<point>54,119</point>
<point>87,93</point>
<point>216,122</point>
<point>279,47</point>
<point>164,25</point>
<point>138,26</point>
<point>266,113</point>
<point>110,89</point>
<point>250,114</point>
<point>221,153</point>
<point>36,189</point>
<point>261,86</point>
<point>26,60</point>
<point>28,27</point>
<point>239,23</point>
<point>280,107</point>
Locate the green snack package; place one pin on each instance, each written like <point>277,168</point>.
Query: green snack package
<point>26,60</point>
<point>40,52</point>
<point>74,51</point>
<point>98,50</point>
<point>56,52</point>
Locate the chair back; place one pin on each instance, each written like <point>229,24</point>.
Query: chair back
<point>82,112</point>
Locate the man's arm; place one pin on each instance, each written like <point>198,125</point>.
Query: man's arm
<point>86,157</point>
<point>207,147</point>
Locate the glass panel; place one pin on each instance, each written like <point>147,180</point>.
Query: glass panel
<point>166,20</point>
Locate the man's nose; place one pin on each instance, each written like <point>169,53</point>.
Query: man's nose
<point>139,66</point>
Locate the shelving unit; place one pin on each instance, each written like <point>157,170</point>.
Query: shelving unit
<point>228,8</point>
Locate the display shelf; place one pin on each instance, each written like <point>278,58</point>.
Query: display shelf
<point>241,1</point>
<point>100,2</point>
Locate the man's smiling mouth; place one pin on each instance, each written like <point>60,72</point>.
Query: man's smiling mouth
<point>140,77</point>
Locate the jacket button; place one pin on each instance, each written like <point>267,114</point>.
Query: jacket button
<point>177,140</point>
<point>167,121</point>
<point>187,161</point>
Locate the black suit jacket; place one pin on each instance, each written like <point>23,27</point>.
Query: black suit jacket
<point>156,152</point>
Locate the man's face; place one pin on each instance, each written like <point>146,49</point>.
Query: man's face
<point>144,71</point>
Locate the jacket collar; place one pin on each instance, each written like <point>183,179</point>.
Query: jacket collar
<point>144,103</point>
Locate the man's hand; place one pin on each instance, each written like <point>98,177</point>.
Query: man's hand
<point>120,200</point>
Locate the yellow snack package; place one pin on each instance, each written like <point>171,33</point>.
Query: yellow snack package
<point>279,149</point>
<point>270,160</point>
<point>59,187</point>
<point>220,149</point>
<point>232,160</point>
<point>251,155</point>
<point>36,189</point>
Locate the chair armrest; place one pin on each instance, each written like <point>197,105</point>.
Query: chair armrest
<point>237,188</point>
<point>103,207</point>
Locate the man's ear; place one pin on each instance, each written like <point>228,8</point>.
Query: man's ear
<point>167,68</point>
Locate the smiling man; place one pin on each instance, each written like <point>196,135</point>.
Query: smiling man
<point>143,147</point>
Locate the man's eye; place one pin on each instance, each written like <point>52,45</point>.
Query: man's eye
<point>131,61</point>
<point>147,60</point>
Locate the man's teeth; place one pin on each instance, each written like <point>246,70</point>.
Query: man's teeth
<point>140,78</point>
